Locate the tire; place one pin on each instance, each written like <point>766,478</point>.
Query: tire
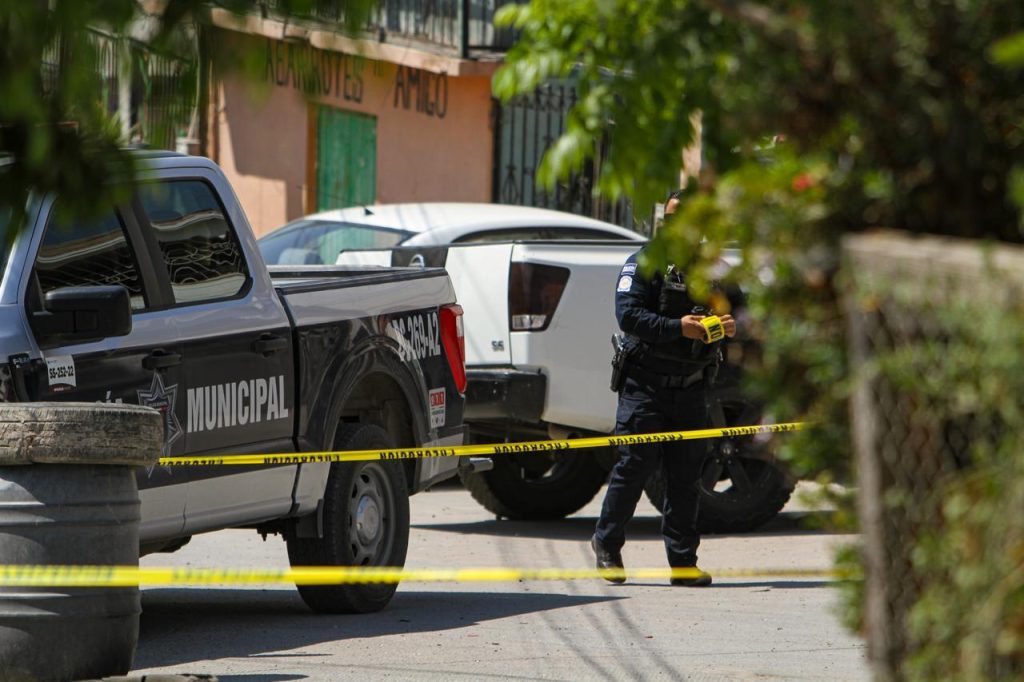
<point>365,523</point>
<point>742,486</point>
<point>723,509</point>
<point>537,487</point>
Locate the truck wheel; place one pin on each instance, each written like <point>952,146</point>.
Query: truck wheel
<point>365,523</point>
<point>537,486</point>
<point>737,494</point>
<point>742,485</point>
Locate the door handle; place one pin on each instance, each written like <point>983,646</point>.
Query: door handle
<point>160,359</point>
<point>268,344</point>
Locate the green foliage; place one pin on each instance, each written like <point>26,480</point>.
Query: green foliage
<point>969,621</point>
<point>967,549</point>
<point>851,591</point>
<point>819,119</point>
<point>898,96</point>
<point>56,134</point>
<point>892,115</point>
<point>1009,51</point>
<point>652,62</point>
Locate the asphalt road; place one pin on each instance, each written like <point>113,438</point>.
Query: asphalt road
<point>757,628</point>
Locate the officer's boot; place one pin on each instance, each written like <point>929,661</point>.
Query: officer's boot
<point>609,564</point>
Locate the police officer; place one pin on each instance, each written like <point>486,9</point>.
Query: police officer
<point>664,389</point>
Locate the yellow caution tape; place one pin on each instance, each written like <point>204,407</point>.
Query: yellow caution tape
<point>481,448</point>
<point>130,576</point>
<point>713,327</point>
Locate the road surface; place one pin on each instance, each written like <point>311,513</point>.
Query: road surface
<point>751,628</point>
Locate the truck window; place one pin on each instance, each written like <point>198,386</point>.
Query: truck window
<point>202,254</point>
<point>88,253</point>
<point>314,242</point>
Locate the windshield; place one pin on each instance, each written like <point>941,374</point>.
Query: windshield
<point>316,242</point>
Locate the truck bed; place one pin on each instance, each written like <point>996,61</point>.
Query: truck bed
<point>289,279</point>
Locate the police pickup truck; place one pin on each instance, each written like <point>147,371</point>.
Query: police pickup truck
<point>165,301</point>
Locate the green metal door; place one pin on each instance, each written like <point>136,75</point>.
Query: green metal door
<point>346,159</point>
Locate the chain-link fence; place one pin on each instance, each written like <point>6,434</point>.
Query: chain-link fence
<point>936,340</point>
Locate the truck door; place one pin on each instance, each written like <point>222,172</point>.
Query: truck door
<point>236,341</point>
<point>143,367</point>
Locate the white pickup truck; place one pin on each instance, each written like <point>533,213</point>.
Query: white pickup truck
<point>537,288</point>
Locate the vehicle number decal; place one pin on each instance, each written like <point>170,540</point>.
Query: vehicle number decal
<point>437,407</point>
<point>420,336</point>
<point>60,371</point>
<point>624,283</point>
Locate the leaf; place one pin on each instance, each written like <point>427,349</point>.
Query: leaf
<point>1009,52</point>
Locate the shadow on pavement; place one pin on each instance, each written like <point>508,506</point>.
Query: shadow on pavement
<point>260,678</point>
<point>647,527</point>
<point>773,584</point>
<point>181,626</point>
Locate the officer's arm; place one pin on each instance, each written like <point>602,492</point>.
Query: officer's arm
<point>633,313</point>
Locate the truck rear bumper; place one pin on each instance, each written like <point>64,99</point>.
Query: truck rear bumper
<point>505,394</point>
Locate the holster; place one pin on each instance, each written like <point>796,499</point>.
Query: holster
<point>619,355</point>
<point>711,371</point>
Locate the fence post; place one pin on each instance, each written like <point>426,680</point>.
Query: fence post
<point>463,29</point>
<point>125,75</point>
<point>882,637</point>
<point>925,431</point>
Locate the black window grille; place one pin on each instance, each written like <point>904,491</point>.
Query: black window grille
<point>524,130</point>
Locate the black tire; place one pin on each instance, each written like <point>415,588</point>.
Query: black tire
<point>365,523</point>
<point>537,487</point>
<point>723,508</point>
<point>742,486</point>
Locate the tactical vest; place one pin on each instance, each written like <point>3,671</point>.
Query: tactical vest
<point>685,356</point>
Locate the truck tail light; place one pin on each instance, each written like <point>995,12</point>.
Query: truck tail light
<point>533,294</point>
<point>454,341</point>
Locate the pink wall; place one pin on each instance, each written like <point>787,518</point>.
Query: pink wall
<point>434,136</point>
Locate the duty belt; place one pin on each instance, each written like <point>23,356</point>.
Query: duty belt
<point>664,380</point>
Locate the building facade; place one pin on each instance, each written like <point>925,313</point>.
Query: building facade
<point>333,121</point>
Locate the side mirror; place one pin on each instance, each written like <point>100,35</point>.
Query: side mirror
<point>82,314</point>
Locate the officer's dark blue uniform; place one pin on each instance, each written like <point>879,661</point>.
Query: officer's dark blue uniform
<point>664,390</point>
